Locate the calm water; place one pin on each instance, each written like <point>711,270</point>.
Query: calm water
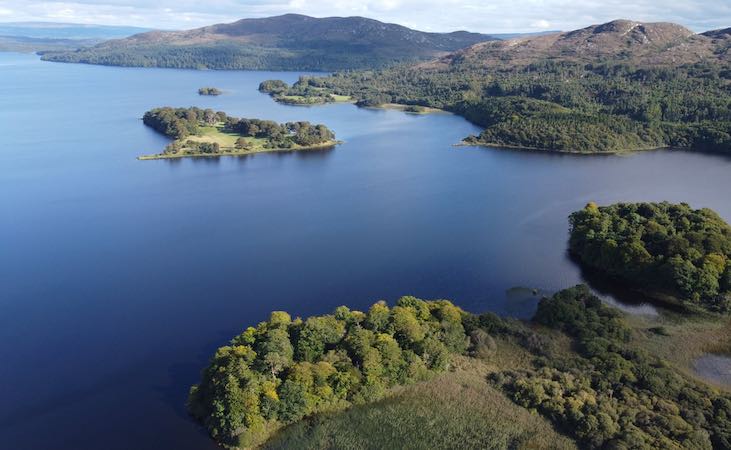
<point>118,278</point>
<point>714,368</point>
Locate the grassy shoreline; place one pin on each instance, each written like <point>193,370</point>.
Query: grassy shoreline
<point>301,100</point>
<point>236,152</point>
<point>227,144</point>
<point>420,110</point>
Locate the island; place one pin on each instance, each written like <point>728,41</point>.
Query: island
<point>670,252</point>
<point>209,91</point>
<point>308,91</point>
<point>206,133</point>
<point>580,374</point>
<point>301,93</point>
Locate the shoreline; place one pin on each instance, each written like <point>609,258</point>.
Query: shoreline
<point>343,100</point>
<point>404,108</point>
<point>295,100</point>
<point>464,143</point>
<point>238,152</point>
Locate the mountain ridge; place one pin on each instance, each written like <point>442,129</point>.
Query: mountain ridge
<point>285,42</point>
<point>647,43</point>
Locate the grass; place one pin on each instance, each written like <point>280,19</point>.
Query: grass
<point>227,142</point>
<point>341,98</point>
<point>313,100</point>
<point>411,109</point>
<point>216,135</point>
<point>456,409</point>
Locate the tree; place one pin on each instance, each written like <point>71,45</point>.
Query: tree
<point>378,316</point>
<point>277,350</point>
<point>242,144</point>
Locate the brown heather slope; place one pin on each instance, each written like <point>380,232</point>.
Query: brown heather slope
<point>647,44</point>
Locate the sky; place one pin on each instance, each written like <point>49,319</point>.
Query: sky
<point>486,16</point>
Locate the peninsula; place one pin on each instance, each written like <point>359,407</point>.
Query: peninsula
<point>207,133</point>
<point>579,374</point>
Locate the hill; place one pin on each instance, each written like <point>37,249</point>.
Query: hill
<point>53,36</point>
<point>619,40</point>
<point>287,42</point>
<point>612,87</point>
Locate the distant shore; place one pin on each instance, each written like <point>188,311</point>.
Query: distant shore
<point>466,143</point>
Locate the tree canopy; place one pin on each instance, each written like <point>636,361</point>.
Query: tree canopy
<point>284,369</point>
<point>180,123</point>
<point>607,106</point>
<point>609,394</point>
<point>663,247</point>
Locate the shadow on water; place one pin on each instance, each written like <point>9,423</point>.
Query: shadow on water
<point>620,295</point>
<point>183,375</point>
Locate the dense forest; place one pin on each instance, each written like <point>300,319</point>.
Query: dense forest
<point>603,391</point>
<point>663,247</point>
<point>283,369</point>
<point>607,393</point>
<point>559,105</point>
<point>180,123</point>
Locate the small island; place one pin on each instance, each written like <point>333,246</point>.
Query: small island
<point>209,91</point>
<point>308,91</point>
<point>206,133</point>
<point>670,252</point>
<point>303,92</point>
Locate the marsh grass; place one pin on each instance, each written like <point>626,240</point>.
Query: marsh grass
<point>683,339</point>
<point>457,409</point>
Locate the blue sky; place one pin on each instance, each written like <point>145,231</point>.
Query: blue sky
<point>489,16</point>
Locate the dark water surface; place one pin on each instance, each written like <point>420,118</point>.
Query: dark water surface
<point>119,277</point>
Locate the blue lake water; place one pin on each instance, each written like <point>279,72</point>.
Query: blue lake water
<point>118,277</point>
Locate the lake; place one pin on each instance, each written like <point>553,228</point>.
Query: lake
<point>119,277</point>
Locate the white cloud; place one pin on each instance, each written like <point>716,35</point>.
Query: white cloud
<point>493,16</point>
<point>541,24</point>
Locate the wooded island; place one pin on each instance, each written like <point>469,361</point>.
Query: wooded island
<point>204,132</point>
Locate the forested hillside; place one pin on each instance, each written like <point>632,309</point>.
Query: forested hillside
<point>607,88</point>
<point>288,42</point>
